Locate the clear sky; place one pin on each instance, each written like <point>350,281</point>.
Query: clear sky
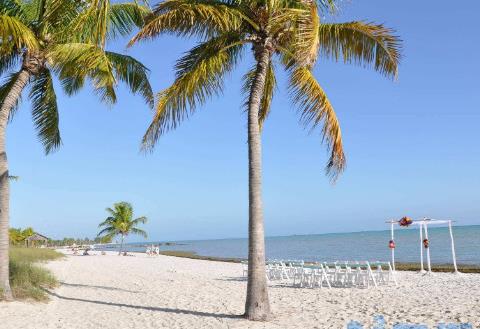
<point>412,145</point>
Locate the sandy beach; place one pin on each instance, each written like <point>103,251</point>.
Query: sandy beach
<point>169,292</point>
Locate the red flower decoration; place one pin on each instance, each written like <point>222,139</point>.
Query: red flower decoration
<point>405,221</point>
<point>391,244</point>
<point>426,243</point>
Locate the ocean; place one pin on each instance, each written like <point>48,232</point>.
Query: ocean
<point>368,245</point>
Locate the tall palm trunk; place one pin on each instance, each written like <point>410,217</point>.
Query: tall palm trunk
<point>257,305</point>
<point>9,102</point>
<point>121,246</point>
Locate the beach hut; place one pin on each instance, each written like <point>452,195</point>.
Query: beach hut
<point>32,240</point>
<point>424,242</point>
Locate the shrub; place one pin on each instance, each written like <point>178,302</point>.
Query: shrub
<point>27,279</point>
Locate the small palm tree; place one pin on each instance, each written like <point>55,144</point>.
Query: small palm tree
<point>17,235</point>
<point>66,38</point>
<point>121,222</point>
<point>288,33</point>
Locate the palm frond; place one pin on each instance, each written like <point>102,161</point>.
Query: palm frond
<point>91,24</point>
<point>45,111</point>
<point>58,16</point>
<point>29,12</point>
<point>15,35</point>
<point>11,8</point>
<point>307,38</point>
<point>362,43</point>
<point>107,221</point>
<point>72,84</point>
<point>108,231</point>
<point>199,76</point>
<point>139,220</point>
<point>76,61</point>
<point>133,73</point>
<point>124,17</point>
<point>328,5</point>
<point>111,212</point>
<point>138,231</point>
<point>100,14</point>
<point>5,88</point>
<point>315,108</point>
<point>9,61</point>
<point>190,18</point>
<point>269,89</point>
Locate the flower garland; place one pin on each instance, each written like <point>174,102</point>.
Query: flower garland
<point>426,243</point>
<point>405,221</point>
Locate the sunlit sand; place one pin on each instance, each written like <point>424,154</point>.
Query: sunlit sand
<point>168,292</point>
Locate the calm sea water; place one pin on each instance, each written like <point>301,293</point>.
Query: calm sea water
<point>371,245</point>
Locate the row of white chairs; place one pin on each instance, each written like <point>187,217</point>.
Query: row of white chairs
<point>337,274</point>
<point>152,251</point>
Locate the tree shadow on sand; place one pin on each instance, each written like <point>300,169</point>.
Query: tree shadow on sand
<point>97,287</point>
<point>233,278</point>
<point>147,308</point>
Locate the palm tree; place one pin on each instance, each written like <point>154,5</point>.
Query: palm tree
<point>121,222</point>
<point>40,38</point>
<point>17,235</point>
<point>291,31</point>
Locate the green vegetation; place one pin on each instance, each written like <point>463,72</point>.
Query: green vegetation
<point>33,254</point>
<point>193,255</point>
<point>28,279</point>
<point>437,267</point>
<point>121,222</point>
<point>79,242</point>
<point>17,236</point>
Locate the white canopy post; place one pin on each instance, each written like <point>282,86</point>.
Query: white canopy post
<point>453,247</point>
<point>428,249</point>
<point>392,249</point>
<point>422,270</point>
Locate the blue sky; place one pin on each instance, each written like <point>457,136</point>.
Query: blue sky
<point>411,145</point>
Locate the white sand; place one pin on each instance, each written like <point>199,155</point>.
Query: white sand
<point>168,292</point>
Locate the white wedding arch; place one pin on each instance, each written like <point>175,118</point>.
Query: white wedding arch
<point>423,229</point>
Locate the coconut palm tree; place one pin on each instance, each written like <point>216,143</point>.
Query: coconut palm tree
<point>287,33</point>
<point>17,235</point>
<point>66,38</point>
<point>121,222</point>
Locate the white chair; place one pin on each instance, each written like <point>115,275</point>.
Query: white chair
<point>367,275</point>
<point>320,277</point>
<point>363,277</point>
<point>307,277</point>
<point>298,275</point>
<point>244,268</point>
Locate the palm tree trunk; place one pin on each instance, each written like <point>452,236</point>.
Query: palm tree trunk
<point>9,102</point>
<point>121,245</point>
<point>257,305</point>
